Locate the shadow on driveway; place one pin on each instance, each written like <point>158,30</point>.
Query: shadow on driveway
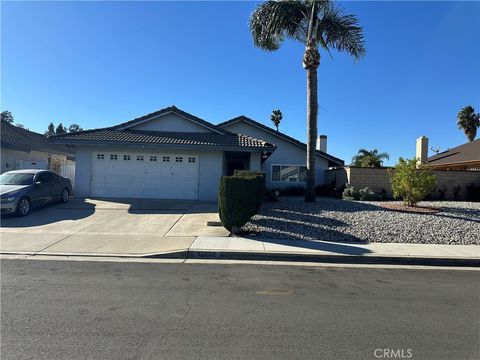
<point>47,215</point>
<point>81,208</point>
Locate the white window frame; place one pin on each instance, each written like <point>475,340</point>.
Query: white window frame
<point>283,181</point>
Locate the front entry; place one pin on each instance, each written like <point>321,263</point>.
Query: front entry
<point>237,161</point>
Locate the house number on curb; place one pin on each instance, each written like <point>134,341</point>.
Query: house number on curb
<point>208,255</point>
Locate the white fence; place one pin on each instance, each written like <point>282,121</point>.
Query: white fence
<point>68,171</point>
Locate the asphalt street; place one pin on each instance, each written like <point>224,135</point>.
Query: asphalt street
<point>104,310</point>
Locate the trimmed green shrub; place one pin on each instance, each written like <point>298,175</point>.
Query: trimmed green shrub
<point>350,193</point>
<point>261,185</point>
<point>411,182</point>
<point>237,201</point>
<point>367,195</point>
<point>473,192</point>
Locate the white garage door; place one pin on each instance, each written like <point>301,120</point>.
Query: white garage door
<point>142,175</point>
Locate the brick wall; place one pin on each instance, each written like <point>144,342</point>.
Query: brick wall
<point>379,179</point>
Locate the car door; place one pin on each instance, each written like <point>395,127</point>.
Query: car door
<point>44,189</point>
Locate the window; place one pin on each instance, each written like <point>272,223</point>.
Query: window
<point>113,157</point>
<point>46,177</point>
<point>166,158</point>
<point>139,157</point>
<point>153,158</point>
<point>178,159</point>
<point>126,157</point>
<point>289,173</point>
<point>191,159</point>
<point>100,156</point>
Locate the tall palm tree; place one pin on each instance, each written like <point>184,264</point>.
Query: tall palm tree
<point>372,158</point>
<point>313,23</point>
<point>276,117</point>
<point>469,122</point>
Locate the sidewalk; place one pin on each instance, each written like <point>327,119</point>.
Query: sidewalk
<point>238,248</point>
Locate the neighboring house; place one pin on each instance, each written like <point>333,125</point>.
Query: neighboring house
<point>24,149</point>
<point>167,154</point>
<point>463,157</point>
<point>286,166</point>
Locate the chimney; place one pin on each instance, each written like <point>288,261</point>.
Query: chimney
<point>322,143</point>
<point>422,150</point>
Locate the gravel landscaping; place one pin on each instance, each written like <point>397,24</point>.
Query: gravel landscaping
<point>361,221</point>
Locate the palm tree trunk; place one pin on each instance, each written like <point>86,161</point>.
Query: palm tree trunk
<point>311,61</point>
<point>312,112</point>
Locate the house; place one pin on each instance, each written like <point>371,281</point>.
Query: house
<point>462,157</point>
<point>24,149</point>
<point>168,154</point>
<point>171,154</point>
<point>286,166</point>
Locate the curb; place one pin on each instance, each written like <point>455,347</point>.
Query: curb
<point>290,257</point>
<point>340,259</point>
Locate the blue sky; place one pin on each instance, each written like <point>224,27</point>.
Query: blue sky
<point>102,63</point>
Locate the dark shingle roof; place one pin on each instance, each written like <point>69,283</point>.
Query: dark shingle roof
<point>17,138</point>
<point>144,137</point>
<point>464,153</point>
<point>332,159</point>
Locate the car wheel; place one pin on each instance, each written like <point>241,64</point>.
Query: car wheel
<point>23,207</point>
<point>65,195</point>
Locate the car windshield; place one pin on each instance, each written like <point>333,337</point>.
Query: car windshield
<point>16,179</point>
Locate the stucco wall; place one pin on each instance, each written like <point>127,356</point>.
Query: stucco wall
<point>285,154</point>
<point>255,162</point>
<point>83,160</point>
<point>171,122</point>
<point>379,179</point>
<point>210,168</point>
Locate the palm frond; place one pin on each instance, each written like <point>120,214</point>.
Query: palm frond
<point>342,32</point>
<point>273,21</point>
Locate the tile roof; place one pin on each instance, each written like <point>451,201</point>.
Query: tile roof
<point>16,138</point>
<point>144,137</point>
<point>460,154</point>
<point>122,134</point>
<point>246,119</point>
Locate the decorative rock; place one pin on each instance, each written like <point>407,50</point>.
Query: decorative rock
<point>365,221</point>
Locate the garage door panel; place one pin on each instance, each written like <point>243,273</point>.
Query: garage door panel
<point>145,175</point>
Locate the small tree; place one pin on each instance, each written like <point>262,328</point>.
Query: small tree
<point>411,182</point>
<point>6,116</point>
<point>60,129</point>
<point>74,128</point>
<point>276,117</point>
<point>50,130</point>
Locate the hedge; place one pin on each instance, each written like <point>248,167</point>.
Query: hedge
<point>261,185</point>
<point>237,201</point>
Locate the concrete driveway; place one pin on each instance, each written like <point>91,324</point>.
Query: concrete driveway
<point>129,227</point>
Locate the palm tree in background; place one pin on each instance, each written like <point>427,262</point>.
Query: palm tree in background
<point>313,23</point>
<point>469,122</point>
<point>276,117</point>
<point>372,158</point>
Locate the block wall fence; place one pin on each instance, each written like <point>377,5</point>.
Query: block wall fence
<point>378,179</point>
